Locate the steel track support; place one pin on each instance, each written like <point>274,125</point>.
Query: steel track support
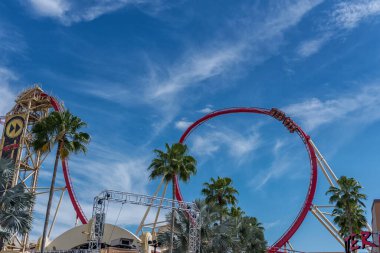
<point>56,211</point>
<point>327,224</point>
<point>158,211</point>
<point>323,165</point>
<point>320,156</point>
<point>148,209</point>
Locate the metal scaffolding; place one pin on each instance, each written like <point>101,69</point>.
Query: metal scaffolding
<point>99,214</point>
<point>31,106</point>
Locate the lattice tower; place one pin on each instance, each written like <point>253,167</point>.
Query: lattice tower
<point>31,106</point>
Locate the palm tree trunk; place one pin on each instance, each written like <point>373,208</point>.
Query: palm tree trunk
<point>172,225</point>
<point>51,193</point>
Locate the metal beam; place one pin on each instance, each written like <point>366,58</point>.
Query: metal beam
<point>99,213</point>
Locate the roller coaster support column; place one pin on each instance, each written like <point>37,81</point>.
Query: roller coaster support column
<point>329,173</point>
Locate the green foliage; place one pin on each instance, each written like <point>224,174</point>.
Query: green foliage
<point>60,128</point>
<point>181,232</point>
<point>251,236</point>
<point>15,204</point>
<point>235,233</point>
<point>220,194</point>
<point>349,206</point>
<point>174,161</point>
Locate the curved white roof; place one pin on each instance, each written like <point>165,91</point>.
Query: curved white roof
<point>80,235</point>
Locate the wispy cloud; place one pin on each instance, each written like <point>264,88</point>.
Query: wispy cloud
<point>236,144</point>
<point>343,17</point>
<point>50,8</point>
<point>195,68</point>
<point>93,174</point>
<point>257,41</point>
<point>281,163</point>
<point>361,105</point>
<point>207,109</point>
<point>349,14</point>
<point>12,42</point>
<point>182,124</point>
<point>273,224</point>
<point>70,11</point>
<point>310,47</point>
<point>207,66</point>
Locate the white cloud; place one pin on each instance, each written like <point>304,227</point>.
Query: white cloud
<point>207,109</point>
<point>104,160</point>
<point>71,11</point>
<point>277,146</point>
<point>361,106</point>
<point>171,86</point>
<point>257,41</point>
<point>281,164</point>
<point>237,144</point>
<point>103,168</point>
<point>272,224</point>
<point>310,47</point>
<point>284,159</point>
<point>349,14</point>
<point>182,124</point>
<point>195,68</point>
<point>345,15</point>
<point>50,8</point>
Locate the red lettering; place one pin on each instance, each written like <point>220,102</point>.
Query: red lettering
<point>354,243</point>
<point>364,236</point>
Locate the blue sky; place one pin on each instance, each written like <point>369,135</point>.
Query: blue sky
<point>140,71</point>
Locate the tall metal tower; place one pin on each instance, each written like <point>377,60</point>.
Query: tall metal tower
<point>31,106</point>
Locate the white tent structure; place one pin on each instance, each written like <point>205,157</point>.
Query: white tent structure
<point>78,237</point>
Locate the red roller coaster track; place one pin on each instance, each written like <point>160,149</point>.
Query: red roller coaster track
<point>293,127</point>
<point>281,242</point>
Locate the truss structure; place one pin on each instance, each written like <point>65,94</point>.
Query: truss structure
<point>31,106</point>
<point>99,215</point>
<point>154,224</point>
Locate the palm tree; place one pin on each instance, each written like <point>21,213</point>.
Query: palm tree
<point>209,216</point>
<point>236,234</point>
<point>174,162</point>
<point>15,204</point>
<point>61,129</point>
<point>220,193</point>
<point>251,236</point>
<point>180,233</point>
<point>236,213</point>
<point>348,200</point>
<point>181,229</point>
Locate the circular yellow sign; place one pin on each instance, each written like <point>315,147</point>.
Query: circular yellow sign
<point>14,128</point>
